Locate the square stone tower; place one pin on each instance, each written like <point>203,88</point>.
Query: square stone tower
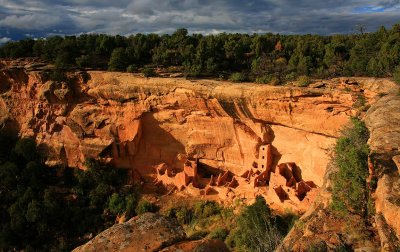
<point>265,157</point>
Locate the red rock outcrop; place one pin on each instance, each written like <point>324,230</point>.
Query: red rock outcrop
<point>138,123</point>
<point>319,224</point>
<point>382,119</point>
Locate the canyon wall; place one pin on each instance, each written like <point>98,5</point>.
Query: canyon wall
<point>206,137</point>
<point>139,123</point>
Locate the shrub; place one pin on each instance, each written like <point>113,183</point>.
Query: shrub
<point>198,235</point>
<point>360,102</point>
<point>56,209</point>
<point>132,68</point>
<point>131,203</point>
<point>303,81</point>
<point>149,72</point>
<point>83,61</point>
<point>265,79</point>
<point>351,157</point>
<point>238,77</point>
<point>118,60</point>
<point>396,74</point>
<point>58,75</point>
<point>219,233</point>
<point>144,206</point>
<point>116,204</point>
<point>291,76</point>
<point>206,209</point>
<point>256,229</point>
<point>183,214</point>
<point>287,221</point>
<point>26,148</point>
<point>192,71</point>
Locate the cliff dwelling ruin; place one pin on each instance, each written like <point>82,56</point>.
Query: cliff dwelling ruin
<point>200,139</point>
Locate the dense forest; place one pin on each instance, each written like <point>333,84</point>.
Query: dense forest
<point>264,58</point>
<point>56,209</point>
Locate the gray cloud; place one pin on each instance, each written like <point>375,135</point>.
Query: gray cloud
<point>4,40</point>
<point>30,21</point>
<point>205,16</point>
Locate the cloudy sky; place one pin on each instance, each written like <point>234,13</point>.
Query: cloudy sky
<point>41,18</point>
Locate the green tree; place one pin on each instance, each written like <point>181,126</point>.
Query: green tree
<point>116,204</point>
<point>257,228</point>
<point>351,157</point>
<point>26,148</point>
<point>118,60</point>
<point>145,206</point>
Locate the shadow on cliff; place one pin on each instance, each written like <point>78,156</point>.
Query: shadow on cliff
<point>277,157</point>
<point>157,146</point>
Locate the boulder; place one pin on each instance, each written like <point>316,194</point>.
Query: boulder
<point>148,232</point>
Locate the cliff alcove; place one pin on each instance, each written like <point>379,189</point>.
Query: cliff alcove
<point>198,138</point>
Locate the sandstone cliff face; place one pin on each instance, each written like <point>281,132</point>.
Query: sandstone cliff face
<point>138,123</point>
<point>383,120</point>
<point>222,124</point>
<point>319,226</point>
<point>148,124</point>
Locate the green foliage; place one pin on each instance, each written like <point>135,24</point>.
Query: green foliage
<point>396,74</point>
<point>118,60</point>
<point>132,68</point>
<point>198,235</point>
<point>149,72</point>
<point>144,207</point>
<point>303,81</point>
<point>203,218</point>
<point>219,233</point>
<point>57,75</point>
<point>45,209</point>
<point>192,71</point>
<point>281,56</point>
<point>206,209</point>
<point>265,79</point>
<point>184,215</point>
<point>361,103</point>
<point>26,148</point>
<point>83,61</point>
<point>257,229</point>
<point>290,76</point>
<point>116,204</point>
<point>238,77</point>
<point>351,157</point>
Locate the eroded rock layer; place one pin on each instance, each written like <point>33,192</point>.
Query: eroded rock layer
<point>144,124</point>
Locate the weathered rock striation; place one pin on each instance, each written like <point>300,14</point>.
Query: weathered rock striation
<point>139,123</point>
<point>204,137</point>
<point>383,121</point>
<point>319,226</point>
